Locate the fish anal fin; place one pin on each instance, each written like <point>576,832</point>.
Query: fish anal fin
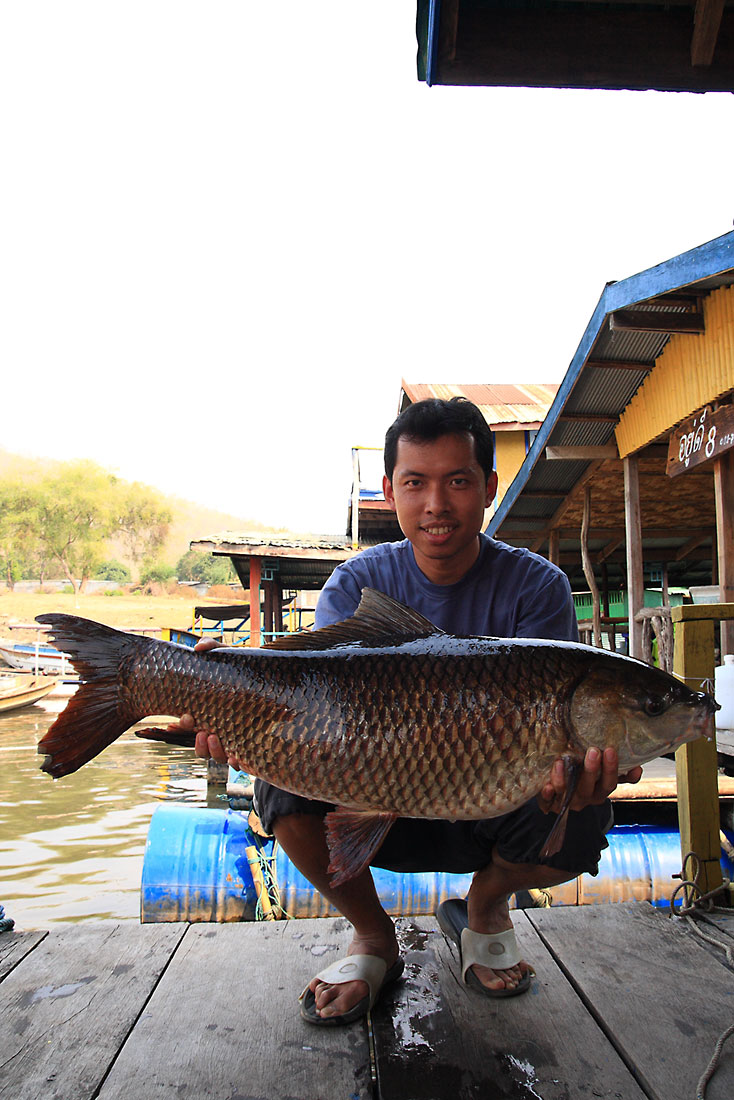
<point>378,621</point>
<point>353,837</point>
<point>557,835</point>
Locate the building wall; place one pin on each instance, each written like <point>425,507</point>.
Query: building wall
<point>692,371</point>
<point>510,451</point>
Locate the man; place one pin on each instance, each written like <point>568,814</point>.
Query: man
<point>439,480</point>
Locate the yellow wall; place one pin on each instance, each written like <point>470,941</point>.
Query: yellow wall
<point>690,372</point>
<point>510,455</point>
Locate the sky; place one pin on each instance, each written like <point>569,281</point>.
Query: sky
<point>228,231</point>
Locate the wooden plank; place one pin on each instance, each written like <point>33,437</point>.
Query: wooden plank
<point>433,1037</point>
<point>686,612</point>
<point>659,995</point>
<point>644,320</point>
<point>224,1021</point>
<point>696,763</point>
<point>14,946</point>
<point>633,539</point>
<point>69,1005</point>
<point>576,454</point>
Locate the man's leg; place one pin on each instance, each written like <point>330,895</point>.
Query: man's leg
<point>488,907</point>
<point>303,838</point>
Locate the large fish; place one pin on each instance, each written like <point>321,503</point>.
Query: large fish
<point>383,713</point>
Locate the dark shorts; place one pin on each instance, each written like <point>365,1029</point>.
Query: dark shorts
<point>460,847</point>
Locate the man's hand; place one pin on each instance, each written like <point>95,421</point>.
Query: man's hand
<point>596,782</point>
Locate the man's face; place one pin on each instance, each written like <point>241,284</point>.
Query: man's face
<point>440,493</point>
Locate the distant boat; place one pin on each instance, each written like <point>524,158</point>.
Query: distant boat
<point>20,689</point>
<point>34,657</point>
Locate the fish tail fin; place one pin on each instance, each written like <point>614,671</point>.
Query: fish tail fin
<point>96,714</point>
<point>353,837</point>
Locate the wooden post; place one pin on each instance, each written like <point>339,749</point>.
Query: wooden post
<point>589,569</point>
<point>278,605</point>
<point>255,574</point>
<point>695,763</point>
<point>267,608</point>
<point>724,495</point>
<point>355,498</point>
<point>633,528</point>
<point>554,541</point>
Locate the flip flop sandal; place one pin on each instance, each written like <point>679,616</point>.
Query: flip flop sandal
<point>367,968</point>
<point>497,950</point>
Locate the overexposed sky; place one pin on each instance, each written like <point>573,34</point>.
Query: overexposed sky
<point>228,230</point>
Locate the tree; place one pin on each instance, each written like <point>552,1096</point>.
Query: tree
<point>18,530</point>
<point>142,521</point>
<point>207,568</point>
<point>113,571</point>
<point>76,514</point>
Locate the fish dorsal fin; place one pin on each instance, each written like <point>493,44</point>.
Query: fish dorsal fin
<point>378,621</point>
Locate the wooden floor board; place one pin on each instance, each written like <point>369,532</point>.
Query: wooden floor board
<point>67,1007</point>
<point>436,1038</point>
<point>224,1021</point>
<point>663,998</point>
<point>15,947</point>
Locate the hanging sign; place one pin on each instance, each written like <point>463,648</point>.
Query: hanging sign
<point>700,438</point>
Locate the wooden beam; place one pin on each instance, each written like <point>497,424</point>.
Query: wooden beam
<point>609,549</point>
<point>706,24</point>
<point>696,763</point>
<point>633,538</point>
<point>643,320</point>
<point>684,552</point>
<point>620,364</point>
<point>578,454</point>
<point>591,418</point>
<point>724,496</point>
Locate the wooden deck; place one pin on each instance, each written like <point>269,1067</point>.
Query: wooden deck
<point>627,1004</point>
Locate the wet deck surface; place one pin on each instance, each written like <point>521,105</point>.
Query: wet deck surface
<point>627,1004</point>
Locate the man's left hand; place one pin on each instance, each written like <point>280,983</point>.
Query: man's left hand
<point>598,779</point>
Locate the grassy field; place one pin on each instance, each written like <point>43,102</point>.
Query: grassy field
<point>123,611</point>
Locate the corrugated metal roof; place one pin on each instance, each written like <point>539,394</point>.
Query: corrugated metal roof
<point>599,392</point>
<point>501,405</point>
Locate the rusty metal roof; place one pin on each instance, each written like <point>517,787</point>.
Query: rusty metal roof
<point>503,406</point>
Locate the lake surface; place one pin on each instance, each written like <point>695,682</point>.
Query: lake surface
<point>72,849</point>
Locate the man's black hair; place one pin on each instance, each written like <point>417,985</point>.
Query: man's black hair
<point>424,421</point>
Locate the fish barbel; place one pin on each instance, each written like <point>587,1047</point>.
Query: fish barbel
<point>381,713</point>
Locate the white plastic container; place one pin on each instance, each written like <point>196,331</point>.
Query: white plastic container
<point>724,693</point>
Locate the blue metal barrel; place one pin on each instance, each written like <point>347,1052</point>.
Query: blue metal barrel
<point>196,868</point>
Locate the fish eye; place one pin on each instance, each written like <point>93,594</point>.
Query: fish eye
<point>655,705</point>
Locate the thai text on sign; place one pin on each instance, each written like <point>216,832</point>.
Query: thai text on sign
<point>700,438</point>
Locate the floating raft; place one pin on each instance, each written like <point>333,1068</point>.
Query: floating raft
<point>202,865</point>
<point>627,1005</point>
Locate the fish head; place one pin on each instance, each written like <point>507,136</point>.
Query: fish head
<point>640,711</point>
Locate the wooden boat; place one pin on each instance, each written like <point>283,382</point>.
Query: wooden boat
<point>21,689</point>
<point>34,657</point>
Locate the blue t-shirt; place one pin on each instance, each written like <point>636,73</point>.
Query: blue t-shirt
<point>508,593</point>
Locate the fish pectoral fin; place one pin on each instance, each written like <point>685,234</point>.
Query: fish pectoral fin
<point>353,837</point>
<point>557,835</point>
<point>185,739</point>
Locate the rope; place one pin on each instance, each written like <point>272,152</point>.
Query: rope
<point>268,906</point>
<point>5,922</point>
<point>694,904</point>
<point>713,1064</point>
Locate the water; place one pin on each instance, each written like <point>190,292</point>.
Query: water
<point>72,849</point>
